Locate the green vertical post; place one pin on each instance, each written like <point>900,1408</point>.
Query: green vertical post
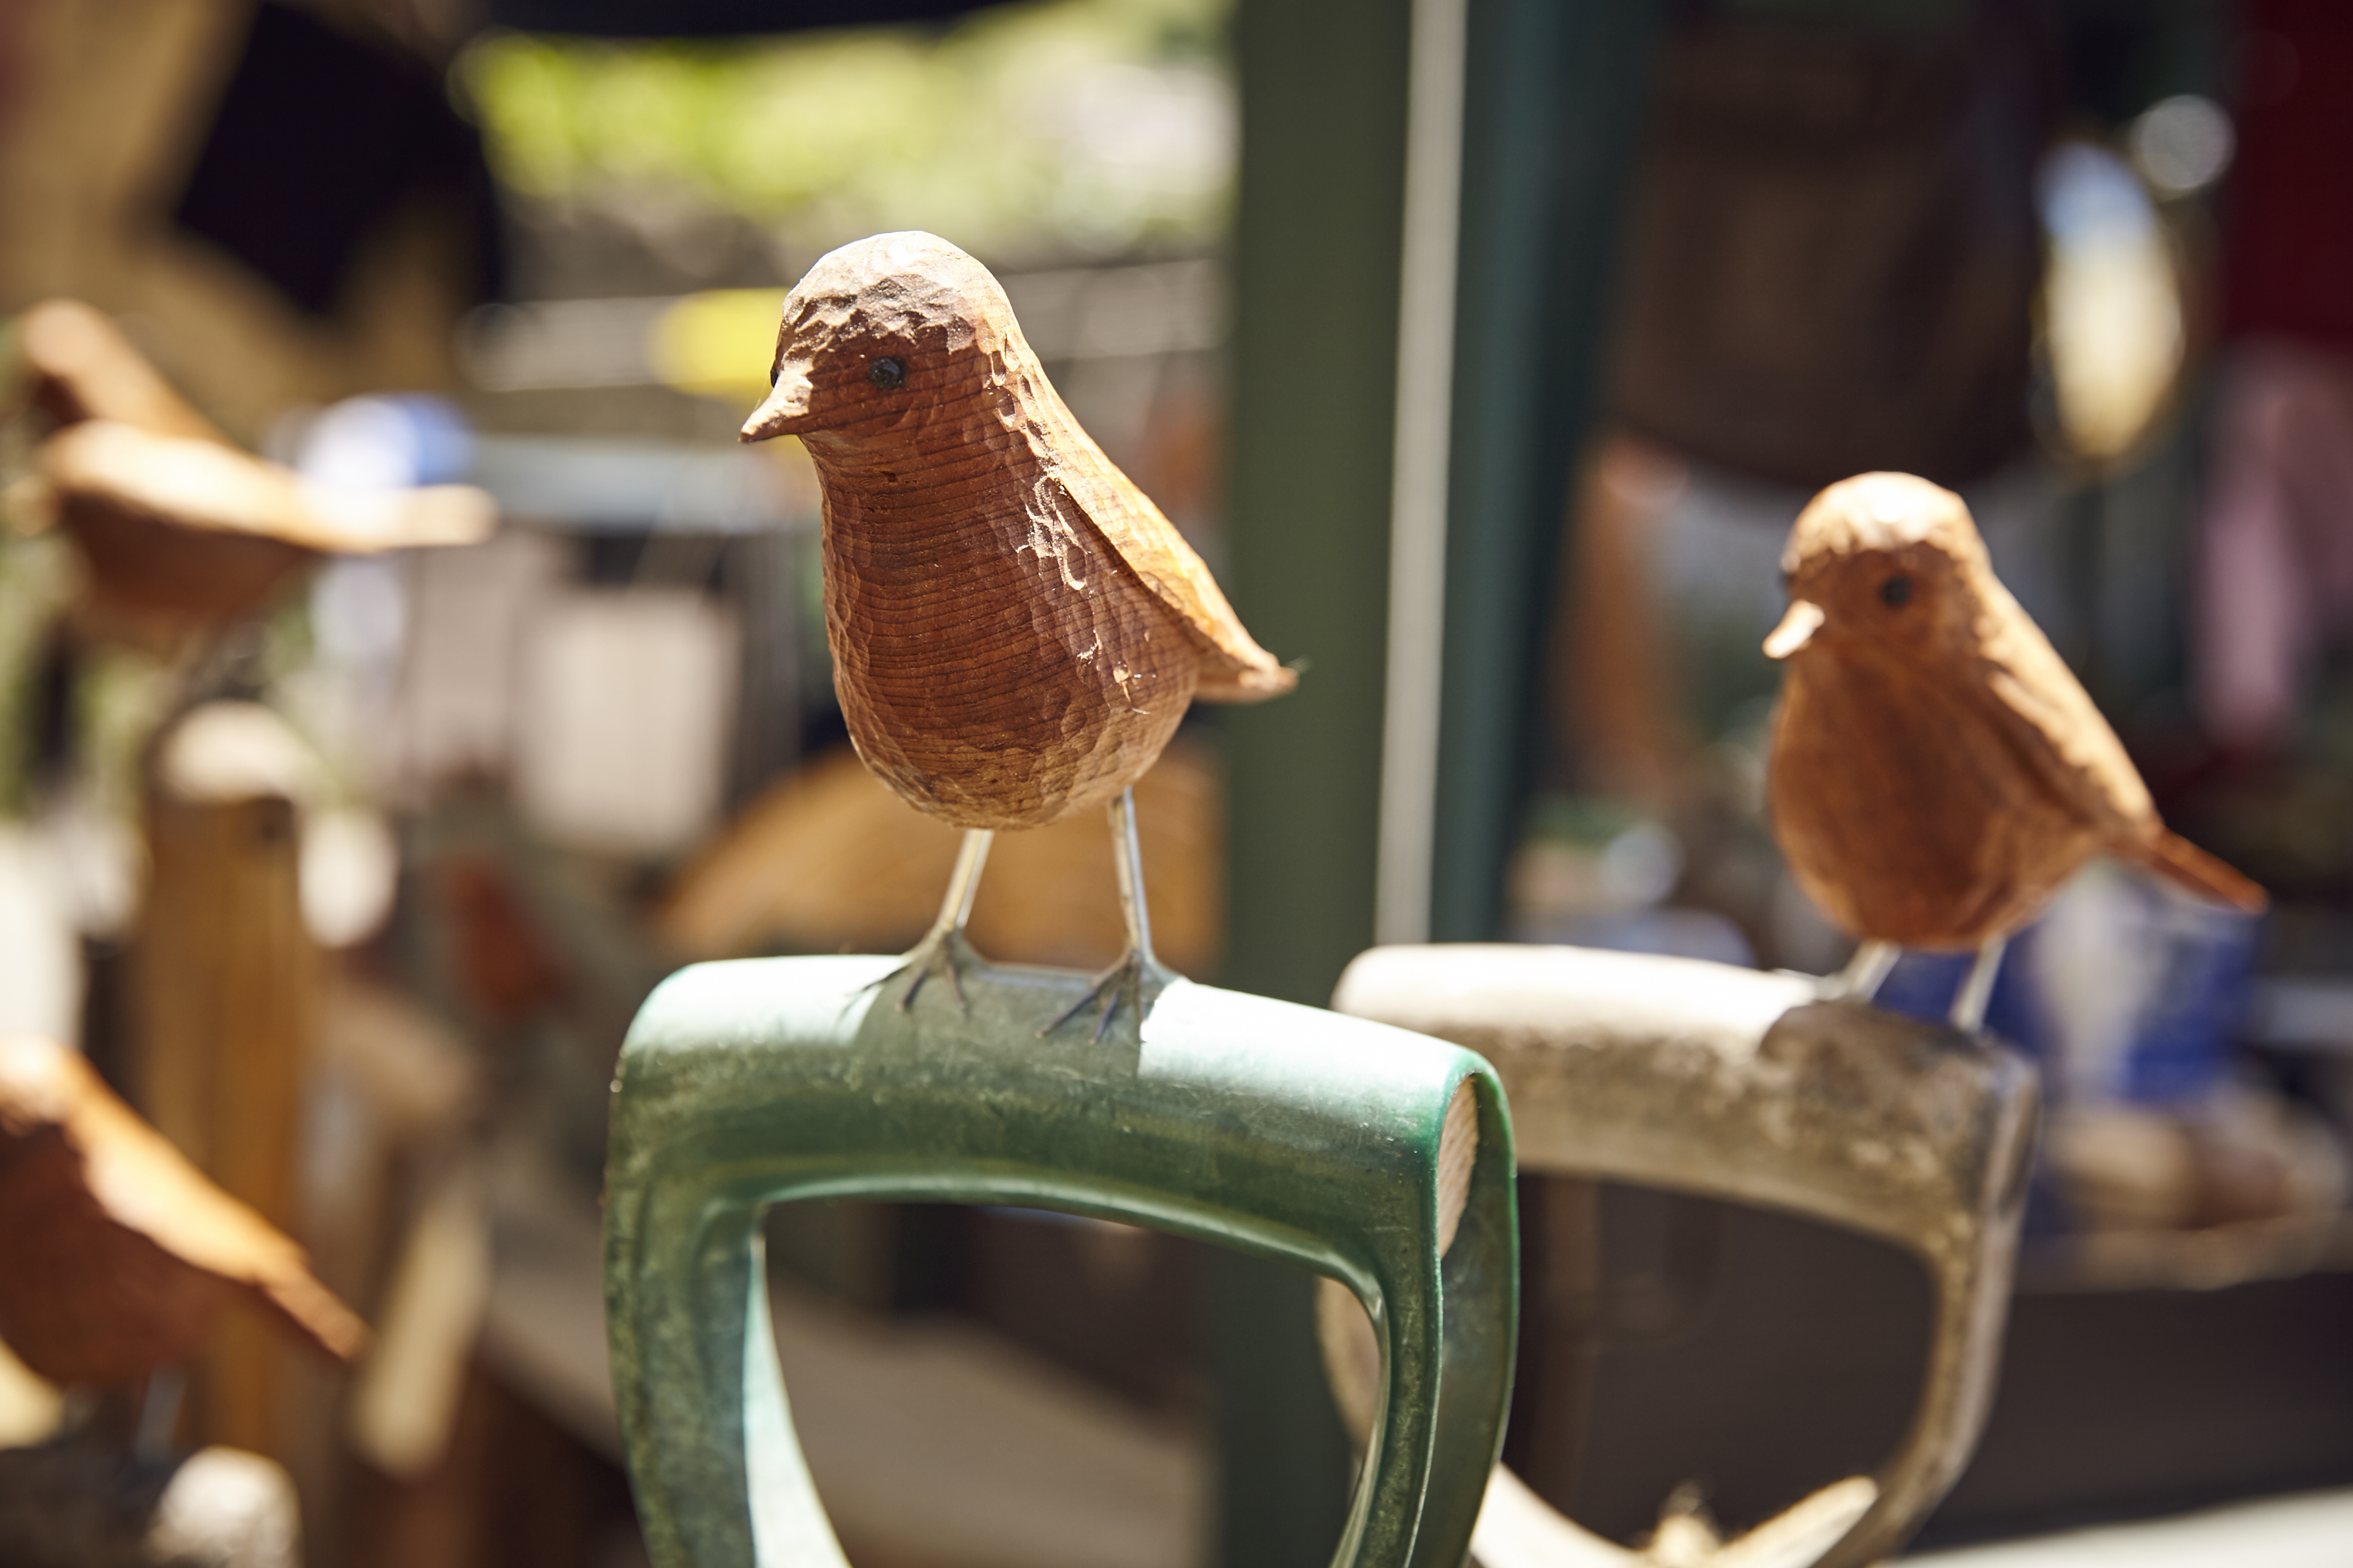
<point>1554,90</point>
<point>1314,357</point>
<point>1553,111</point>
<point>1314,376</point>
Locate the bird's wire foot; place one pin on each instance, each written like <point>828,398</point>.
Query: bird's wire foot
<point>941,952</point>
<point>1977,987</point>
<point>1864,974</point>
<point>1136,982</point>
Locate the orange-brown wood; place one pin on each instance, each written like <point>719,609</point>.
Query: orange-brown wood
<point>1016,629</point>
<point>1937,771</point>
<point>227,983</point>
<point>117,1251</point>
<point>178,540</point>
<point>180,530</point>
<point>193,529</point>
<point>80,366</point>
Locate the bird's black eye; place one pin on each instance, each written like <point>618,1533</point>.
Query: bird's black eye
<point>776,373</point>
<point>886,373</point>
<point>1896,592</point>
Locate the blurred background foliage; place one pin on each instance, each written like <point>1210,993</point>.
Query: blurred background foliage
<point>1114,127</point>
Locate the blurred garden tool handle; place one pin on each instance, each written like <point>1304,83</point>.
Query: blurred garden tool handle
<point>1281,1131</point>
<point>1703,1078</point>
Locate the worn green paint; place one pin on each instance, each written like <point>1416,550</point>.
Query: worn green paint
<point>1284,1131</point>
<point>1317,225</point>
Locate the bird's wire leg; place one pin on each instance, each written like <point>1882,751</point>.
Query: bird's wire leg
<point>1976,990</point>
<point>1864,974</point>
<point>943,948</point>
<point>159,1414</point>
<point>1138,975</point>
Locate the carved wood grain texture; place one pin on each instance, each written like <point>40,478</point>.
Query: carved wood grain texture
<point>1016,629</point>
<point>1937,771</point>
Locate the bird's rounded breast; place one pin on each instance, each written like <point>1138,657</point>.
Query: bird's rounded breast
<point>1900,808</point>
<point>997,663</point>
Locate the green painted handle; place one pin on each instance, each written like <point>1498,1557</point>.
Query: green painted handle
<point>1280,1130</point>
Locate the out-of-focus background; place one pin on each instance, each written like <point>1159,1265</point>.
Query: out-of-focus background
<point>1486,349</point>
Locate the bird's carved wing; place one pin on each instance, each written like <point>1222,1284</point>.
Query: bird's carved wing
<point>2043,709</point>
<point>1234,668</point>
<point>2047,715</point>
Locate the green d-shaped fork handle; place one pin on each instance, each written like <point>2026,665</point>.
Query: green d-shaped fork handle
<point>1276,1129</point>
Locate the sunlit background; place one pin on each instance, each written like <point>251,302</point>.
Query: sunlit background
<point>448,263</point>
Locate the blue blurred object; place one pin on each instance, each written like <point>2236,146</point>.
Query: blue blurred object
<point>2124,990</point>
<point>385,442</point>
<point>2200,991</point>
<point>1923,985</point>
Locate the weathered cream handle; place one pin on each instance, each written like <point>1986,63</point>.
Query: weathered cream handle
<point>1704,1078</point>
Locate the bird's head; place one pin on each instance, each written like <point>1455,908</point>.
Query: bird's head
<point>1881,559</point>
<point>879,329</point>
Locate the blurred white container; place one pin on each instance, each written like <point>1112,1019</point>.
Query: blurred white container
<point>622,722</point>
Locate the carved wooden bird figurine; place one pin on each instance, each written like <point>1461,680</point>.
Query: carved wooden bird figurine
<point>1016,629</point>
<point>1937,771</point>
<point>118,1252</point>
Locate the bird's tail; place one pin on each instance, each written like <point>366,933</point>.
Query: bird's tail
<point>2182,863</point>
<point>1248,684</point>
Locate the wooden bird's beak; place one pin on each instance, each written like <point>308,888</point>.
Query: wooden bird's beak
<point>786,409</point>
<point>1795,630</point>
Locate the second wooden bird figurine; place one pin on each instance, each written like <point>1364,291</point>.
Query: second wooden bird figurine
<point>1937,771</point>
<point>115,1252</point>
<point>1016,629</point>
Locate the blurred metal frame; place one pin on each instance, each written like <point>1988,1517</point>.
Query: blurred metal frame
<point>1699,1077</point>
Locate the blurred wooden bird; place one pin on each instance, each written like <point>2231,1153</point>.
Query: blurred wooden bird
<point>1016,629</point>
<point>1937,771</point>
<point>79,365</point>
<point>182,531</point>
<point>117,1251</point>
